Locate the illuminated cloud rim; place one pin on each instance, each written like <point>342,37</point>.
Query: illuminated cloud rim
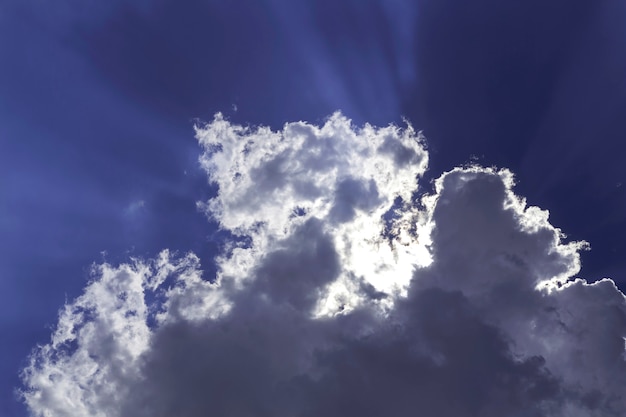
<point>341,292</point>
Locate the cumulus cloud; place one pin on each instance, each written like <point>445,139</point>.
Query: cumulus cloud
<point>341,292</point>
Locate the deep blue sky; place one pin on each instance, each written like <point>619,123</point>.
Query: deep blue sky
<point>97,105</point>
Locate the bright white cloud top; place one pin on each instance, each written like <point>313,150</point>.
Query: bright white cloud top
<point>340,293</point>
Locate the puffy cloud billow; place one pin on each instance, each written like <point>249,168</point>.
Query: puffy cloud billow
<point>343,290</point>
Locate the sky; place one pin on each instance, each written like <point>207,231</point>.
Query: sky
<point>255,208</point>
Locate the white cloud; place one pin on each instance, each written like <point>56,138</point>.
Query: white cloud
<point>340,295</point>
<point>271,183</point>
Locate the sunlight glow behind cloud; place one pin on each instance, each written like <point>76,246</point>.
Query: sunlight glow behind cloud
<point>341,292</point>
